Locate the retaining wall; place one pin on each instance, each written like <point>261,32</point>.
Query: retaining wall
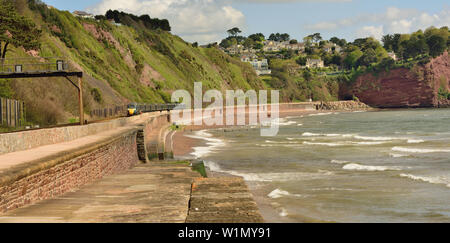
<point>20,141</point>
<point>52,177</point>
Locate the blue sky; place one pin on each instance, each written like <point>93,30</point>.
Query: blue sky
<point>207,20</point>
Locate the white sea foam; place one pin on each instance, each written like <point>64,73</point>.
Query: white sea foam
<point>432,180</point>
<point>308,134</point>
<point>358,167</point>
<point>283,212</point>
<point>270,177</point>
<point>368,143</point>
<point>375,138</point>
<point>284,122</point>
<point>398,155</point>
<point>324,144</point>
<point>322,114</point>
<point>278,193</point>
<point>419,150</point>
<point>213,144</point>
<point>416,141</point>
<point>340,162</point>
<point>299,125</point>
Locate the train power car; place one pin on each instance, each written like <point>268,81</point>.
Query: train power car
<point>133,110</point>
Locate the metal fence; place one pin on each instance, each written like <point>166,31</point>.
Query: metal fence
<point>12,113</point>
<point>34,65</point>
<point>109,112</point>
<point>118,111</point>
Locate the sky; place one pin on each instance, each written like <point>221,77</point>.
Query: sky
<point>207,21</point>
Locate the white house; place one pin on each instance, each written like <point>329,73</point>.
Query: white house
<point>314,63</point>
<point>83,14</point>
<point>261,66</point>
<point>393,55</point>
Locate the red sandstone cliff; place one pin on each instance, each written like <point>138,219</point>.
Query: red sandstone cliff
<point>403,87</point>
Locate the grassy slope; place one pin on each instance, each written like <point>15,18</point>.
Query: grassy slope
<point>115,59</point>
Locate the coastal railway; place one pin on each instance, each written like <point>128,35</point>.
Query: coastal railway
<point>139,109</point>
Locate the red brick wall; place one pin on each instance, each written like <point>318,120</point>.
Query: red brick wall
<point>119,155</point>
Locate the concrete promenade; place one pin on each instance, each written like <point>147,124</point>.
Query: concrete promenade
<point>154,193</point>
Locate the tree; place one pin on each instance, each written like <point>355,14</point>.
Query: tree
<point>280,37</point>
<point>293,41</point>
<point>352,58</point>
<point>301,61</point>
<point>317,37</point>
<point>249,43</point>
<point>285,37</point>
<point>257,37</point>
<point>234,31</point>
<point>16,30</point>
<point>367,58</point>
<point>437,45</point>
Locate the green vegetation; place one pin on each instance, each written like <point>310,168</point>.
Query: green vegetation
<point>132,20</point>
<point>298,84</point>
<point>137,61</point>
<point>16,30</point>
<point>444,94</point>
<point>200,168</point>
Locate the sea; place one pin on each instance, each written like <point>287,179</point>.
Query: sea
<point>354,167</point>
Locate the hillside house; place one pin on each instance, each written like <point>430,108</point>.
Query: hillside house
<point>393,56</point>
<point>235,49</point>
<point>296,47</point>
<point>314,63</point>
<point>274,46</point>
<point>332,47</point>
<point>248,57</point>
<point>261,67</point>
<point>83,14</point>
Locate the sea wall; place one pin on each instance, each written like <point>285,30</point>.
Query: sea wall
<point>152,137</point>
<point>52,177</point>
<point>68,170</point>
<point>20,141</point>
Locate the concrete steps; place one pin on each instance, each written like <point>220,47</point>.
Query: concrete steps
<point>222,200</point>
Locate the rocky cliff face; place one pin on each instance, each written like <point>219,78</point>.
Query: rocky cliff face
<point>403,87</point>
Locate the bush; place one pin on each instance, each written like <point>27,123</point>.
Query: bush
<point>97,95</point>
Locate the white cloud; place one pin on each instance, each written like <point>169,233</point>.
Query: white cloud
<point>195,20</point>
<point>372,31</point>
<point>392,20</point>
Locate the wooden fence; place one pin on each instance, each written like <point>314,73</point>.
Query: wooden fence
<point>12,113</point>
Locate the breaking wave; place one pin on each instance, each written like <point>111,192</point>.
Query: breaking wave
<point>432,180</point>
<point>419,150</point>
<point>213,144</point>
<point>358,167</point>
<point>278,193</point>
<point>270,177</point>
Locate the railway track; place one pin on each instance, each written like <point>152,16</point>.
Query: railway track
<point>141,108</point>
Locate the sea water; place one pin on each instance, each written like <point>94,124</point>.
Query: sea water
<point>386,166</point>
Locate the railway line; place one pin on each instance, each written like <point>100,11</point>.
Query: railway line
<point>133,109</point>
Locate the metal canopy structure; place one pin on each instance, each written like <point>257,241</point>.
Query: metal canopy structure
<point>43,67</point>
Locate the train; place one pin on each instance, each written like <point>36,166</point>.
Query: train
<point>134,109</point>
